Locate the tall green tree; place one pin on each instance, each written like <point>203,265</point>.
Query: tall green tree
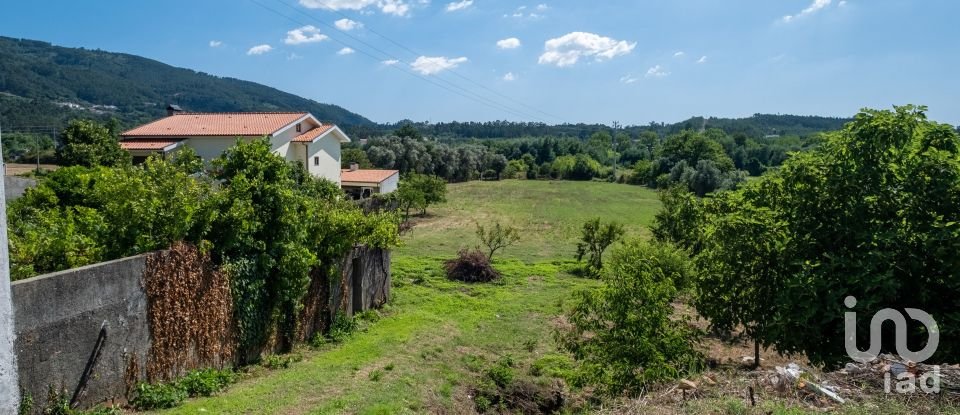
<point>88,143</point>
<point>873,213</point>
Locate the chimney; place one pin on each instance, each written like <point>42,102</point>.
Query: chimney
<point>354,167</point>
<point>173,109</point>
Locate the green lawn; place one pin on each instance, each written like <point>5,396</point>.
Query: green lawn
<point>550,215</point>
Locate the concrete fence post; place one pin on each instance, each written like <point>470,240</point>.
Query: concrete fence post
<point>9,387</point>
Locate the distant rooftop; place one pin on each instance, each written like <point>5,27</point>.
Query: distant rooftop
<point>366,176</point>
<point>231,124</point>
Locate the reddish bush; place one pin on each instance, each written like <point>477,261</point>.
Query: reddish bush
<point>470,266</point>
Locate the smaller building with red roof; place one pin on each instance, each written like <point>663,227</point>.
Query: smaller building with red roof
<point>363,183</point>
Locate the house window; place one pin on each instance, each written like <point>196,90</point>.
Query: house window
<point>299,128</point>
<point>316,160</point>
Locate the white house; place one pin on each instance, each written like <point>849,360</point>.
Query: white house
<point>297,136</point>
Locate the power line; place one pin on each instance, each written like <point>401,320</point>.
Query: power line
<point>452,71</point>
<point>465,93</point>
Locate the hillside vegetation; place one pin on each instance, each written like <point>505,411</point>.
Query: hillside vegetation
<point>43,84</point>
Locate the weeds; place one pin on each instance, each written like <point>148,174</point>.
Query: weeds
<point>204,382</point>
<point>276,361</point>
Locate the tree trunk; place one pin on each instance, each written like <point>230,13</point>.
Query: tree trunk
<point>756,354</point>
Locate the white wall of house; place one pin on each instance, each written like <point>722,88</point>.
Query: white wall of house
<point>390,185</point>
<point>209,148</point>
<point>324,156</point>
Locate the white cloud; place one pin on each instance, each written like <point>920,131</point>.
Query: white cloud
<point>656,71</point>
<point>293,56</point>
<point>259,50</point>
<point>628,79</point>
<point>568,49</point>
<point>509,76</point>
<point>459,5</point>
<point>813,8</point>
<point>703,59</point>
<point>521,12</point>
<point>394,7</point>
<point>347,24</point>
<point>215,43</point>
<point>679,54</point>
<point>390,62</point>
<point>346,51</point>
<point>842,3</point>
<point>432,65</point>
<point>306,34</point>
<point>508,43</point>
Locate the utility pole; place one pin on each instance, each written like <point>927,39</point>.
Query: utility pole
<point>9,387</point>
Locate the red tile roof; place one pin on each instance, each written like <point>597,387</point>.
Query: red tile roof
<point>148,144</point>
<point>216,124</point>
<point>309,136</point>
<point>366,176</point>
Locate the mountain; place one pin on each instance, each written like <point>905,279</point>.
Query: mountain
<point>46,85</point>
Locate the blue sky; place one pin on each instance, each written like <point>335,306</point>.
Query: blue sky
<point>571,61</point>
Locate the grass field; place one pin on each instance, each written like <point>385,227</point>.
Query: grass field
<point>436,337</point>
<point>550,215</point>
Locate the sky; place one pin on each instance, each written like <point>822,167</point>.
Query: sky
<point>632,62</point>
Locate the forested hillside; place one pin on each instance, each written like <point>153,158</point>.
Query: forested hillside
<point>756,126</point>
<point>46,85</point>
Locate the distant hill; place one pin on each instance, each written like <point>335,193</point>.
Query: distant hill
<point>756,126</point>
<point>46,85</point>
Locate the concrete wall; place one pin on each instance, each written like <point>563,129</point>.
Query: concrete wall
<point>14,187</point>
<point>365,281</point>
<point>390,185</point>
<point>80,330</point>
<point>9,389</point>
<point>88,329</point>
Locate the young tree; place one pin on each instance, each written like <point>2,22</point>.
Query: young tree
<point>497,237</point>
<point>597,237</point>
<point>88,143</point>
<point>740,272</point>
<point>624,333</point>
<point>419,191</point>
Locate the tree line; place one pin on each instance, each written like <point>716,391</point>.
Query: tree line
<point>703,161</point>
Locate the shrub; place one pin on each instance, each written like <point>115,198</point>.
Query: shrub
<point>159,396</point>
<point>342,327</point>
<point>624,333</point>
<point>206,382</point>
<point>553,365</point>
<point>501,373</point>
<point>470,266</point>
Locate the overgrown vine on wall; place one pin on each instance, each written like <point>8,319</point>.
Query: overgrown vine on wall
<point>190,313</point>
